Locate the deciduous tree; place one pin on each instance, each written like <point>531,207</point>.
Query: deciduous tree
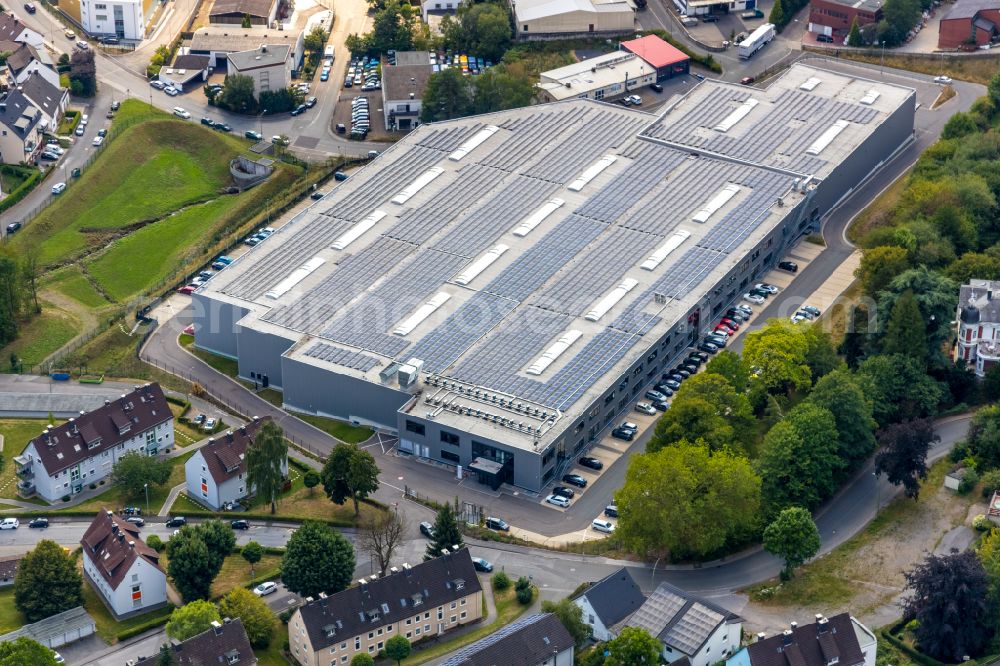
<point>937,298</point>
<point>134,470</point>
<point>350,473</point>
<point>47,582</point>
<point>267,458</point>
<point>258,620</point>
<point>839,393</point>
<point>362,659</point>
<point>951,606</point>
<point>317,559</point>
<point>448,95</point>
<point>253,552</point>
<point>311,479</point>
<point>219,538</point>
<point>571,617</point>
<point>238,94</point>
<point>192,619</point>
<point>793,537</point>
<point>731,366</point>
<point>397,648</point>
<point>706,407</point>
<point>381,536</point>
<point>779,350</point>
<point>446,532</point>
<point>191,566</point>
<point>685,500</point>
<point>635,646</point>
<point>26,652</point>
<point>984,437</point>
<point>878,266</point>
<point>902,454</point>
<point>898,388</point>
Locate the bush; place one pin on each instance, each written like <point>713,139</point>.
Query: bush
<point>525,595</point>
<point>65,498</point>
<point>522,584</point>
<point>93,486</point>
<point>286,615</point>
<point>155,542</point>
<point>959,452</point>
<point>501,581</point>
<point>991,482</point>
<point>981,523</point>
<point>21,190</point>
<point>968,481</point>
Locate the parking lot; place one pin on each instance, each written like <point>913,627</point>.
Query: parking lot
<point>342,114</point>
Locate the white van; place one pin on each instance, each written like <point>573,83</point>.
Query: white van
<point>181,113</point>
<point>328,54</point>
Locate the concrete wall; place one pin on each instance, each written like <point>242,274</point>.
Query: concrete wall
<point>572,23</point>
<point>314,390</point>
<point>260,353</point>
<point>215,324</point>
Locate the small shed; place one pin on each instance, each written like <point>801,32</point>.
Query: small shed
<point>953,479</point>
<point>993,512</point>
<point>58,630</point>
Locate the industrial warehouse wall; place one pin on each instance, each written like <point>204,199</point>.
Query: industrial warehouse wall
<point>315,390</point>
<point>260,354</point>
<point>215,325</point>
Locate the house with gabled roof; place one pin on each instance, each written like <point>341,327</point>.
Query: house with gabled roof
<point>687,626</point>
<point>65,459</point>
<point>829,641</point>
<point>535,640</point>
<point>223,644</point>
<point>13,30</point>
<point>125,572</point>
<point>608,602</point>
<point>419,602</point>
<point>216,475</point>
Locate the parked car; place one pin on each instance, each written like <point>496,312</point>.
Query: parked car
<point>58,658</point>
<point>655,395</point>
<point>563,491</point>
<point>110,41</point>
<point>131,511</point>
<point>265,588</point>
<point>766,286</point>
<point>299,110</point>
<point>171,91</point>
<point>699,357</point>
<point>208,122</point>
<point>575,480</point>
<point>253,136</point>
<point>558,500</point>
<point>177,521</point>
<point>339,176</point>
<point>623,434</point>
<point>482,565</point>
<point>656,87</point>
<point>710,18</point>
<point>159,85</point>
<point>30,7</point>
<point>645,408</point>
<point>279,140</point>
<point>591,462</point>
<point>708,347</point>
<point>789,266</point>
<point>39,523</point>
<point>663,388</point>
<point>731,323</point>
<point>601,525</point>
<point>180,112</point>
<point>97,142</point>
<point>9,524</point>
<point>135,520</point>
<point>747,80</point>
<point>223,127</point>
<point>942,79</point>
<point>717,339</point>
<point>58,188</point>
<point>240,524</point>
<point>13,226</point>
<point>208,425</point>
<point>341,128</point>
<point>756,300</point>
<point>760,292</point>
<point>311,102</point>
<point>82,45</point>
<point>80,129</point>
<point>611,511</point>
<point>187,289</point>
<point>427,530</point>
<point>317,195</point>
<point>70,34</point>
<point>814,311</point>
<point>497,524</point>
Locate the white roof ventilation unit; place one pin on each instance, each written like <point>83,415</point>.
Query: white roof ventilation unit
<point>474,142</point>
<point>810,84</point>
<point>422,313</point>
<point>481,264</point>
<point>538,216</point>
<point>827,137</point>
<point>296,276</point>
<point>422,181</point>
<point>554,351</point>
<point>720,199</point>
<point>737,114</point>
<point>592,172</point>
<point>358,230</point>
<point>611,299</point>
<point>870,97</point>
<point>661,252</point>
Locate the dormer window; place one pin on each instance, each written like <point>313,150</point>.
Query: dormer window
<point>416,599</point>
<point>459,584</point>
<point>373,616</point>
<point>330,630</point>
<point>232,656</point>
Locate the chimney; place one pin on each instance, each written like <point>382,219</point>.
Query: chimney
<point>454,549</point>
<point>412,96</point>
<point>822,625</point>
<point>106,402</point>
<point>445,552</point>
<point>111,515</point>
<point>794,625</point>
<point>83,413</point>
<point>761,636</point>
<point>786,637</point>
<point>226,620</point>
<point>216,627</point>
<point>131,544</point>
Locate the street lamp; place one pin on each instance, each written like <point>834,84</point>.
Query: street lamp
<point>146,486</point>
<point>260,119</point>
<point>881,68</point>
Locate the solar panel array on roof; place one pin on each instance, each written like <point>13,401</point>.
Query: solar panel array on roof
<point>460,330</point>
<point>693,628</point>
<point>447,138</point>
<point>344,357</point>
<point>631,186</point>
<point>370,188</point>
<point>577,149</point>
<point>528,133</point>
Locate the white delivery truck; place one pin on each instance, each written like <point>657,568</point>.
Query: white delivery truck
<point>756,40</point>
<point>328,55</point>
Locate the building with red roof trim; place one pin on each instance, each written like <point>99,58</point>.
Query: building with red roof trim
<point>668,60</point>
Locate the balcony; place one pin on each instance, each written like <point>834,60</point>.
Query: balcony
<point>25,488</point>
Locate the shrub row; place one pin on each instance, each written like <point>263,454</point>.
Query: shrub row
<point>21,190</point>
<point>125,634</point>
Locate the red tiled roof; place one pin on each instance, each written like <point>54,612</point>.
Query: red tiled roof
<point>113,545</point>
<point>225,456</point>
<point>655,51</point>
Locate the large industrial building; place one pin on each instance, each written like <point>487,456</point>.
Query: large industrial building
<point>499,289</point>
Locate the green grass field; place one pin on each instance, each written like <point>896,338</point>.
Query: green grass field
<point>108,627</point>
<point>345,432</point>
<point>10,617</point>
<point>16,435</point>
<point>113,498</point>
<point>41,336</point>
<point>71,282</point>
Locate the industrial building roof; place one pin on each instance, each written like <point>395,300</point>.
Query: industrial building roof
<point>655,51</point>
<point>263,56</point>
<point>967,9</point>
<point>522,256</point>
<point>871,6</point>
<point>594,74</point>
<point>402,80</point>
<point>255,8</point>
<point>230,38</point>
<point>52,631</point>
<point>532,10</point>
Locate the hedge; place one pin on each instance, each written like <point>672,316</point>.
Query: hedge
<point>21,190</point>
<point>125,634</point>
<point>920,657</point>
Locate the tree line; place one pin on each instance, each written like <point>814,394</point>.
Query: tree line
<point>18,295</point>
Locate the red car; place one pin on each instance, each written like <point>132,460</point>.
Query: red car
<point>722,328</point>
<point>187,289</point>
<point>731,323</point>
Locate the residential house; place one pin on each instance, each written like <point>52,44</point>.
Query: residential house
<point>13,30</point>
<point>269,65</point>
<point>216,474</point>
<point>124,19</point>
<point>118,564</point>
<point>687,626</point>
<point>187,70</point>
<point>223,644</point>
<point>403,87</point>
<point>20,129</point>
<point>536,640</point>
<point>835,17</point>
<point>979,324</point>
<point>417,602</point>
<point>836,641</point>
<point>50,99</point>
<point>27,60</point>
<point>554,19</point>
<point>218,41</point>
<point>64,459</point>
<point>969,23</point>
<point>8,569</point>
<point>608,602</point>
<point>234,12</point>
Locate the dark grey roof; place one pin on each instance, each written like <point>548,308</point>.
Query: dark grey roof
<point>226,644</point>
<point>8,567</point>
<point>389,599</point>
<point>21,58</point>
<point>528,642</point>
<point>399,81</point>
<point>967,9</point>
<point>254,8</point>
<point>267,55</point>
<point>113,545</point>
<point>615,597</point>
<point>43,94</point>
<point>18,114</point>
<point>189,61</point>
<point>816,644</point>
<point>225,455</point>
<point>984,296</point>
<point>679,619</point>
<point>413,58</point>
<point>10,27</point>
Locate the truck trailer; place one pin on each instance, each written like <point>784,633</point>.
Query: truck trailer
<point>756,40</point>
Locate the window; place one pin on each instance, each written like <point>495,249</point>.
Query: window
<point>381,645</point>
<point>408,621</point>
<point>448,455</point>
<point>454,618</point>
<point>440,614</point>
<point>357,643</point>
<point>388,629</point>
<point>463,602</point>
<point>449,438</point>
<point>417,631</point>
<point>413,426</point>
<point>409,633</point>
<point>371,649</point>
<point>427,616</point>
<point>427,628</point>
<point>343,659</point>
<point>463,615</point>
<point>453,605</point>
<point>343,646</point>
<point>371,635</point>
<point>379,632</point>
